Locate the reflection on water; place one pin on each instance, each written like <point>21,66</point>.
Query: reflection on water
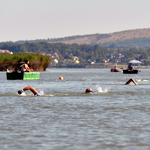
<point>116,116</point>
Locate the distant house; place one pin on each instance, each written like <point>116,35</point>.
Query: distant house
<point>56,55</point>
<point>55,61</point>
<point>5,51</point>
<point>76,59</point>
<point>91,52</point>
<point>49,55</point>
<point>53,55</point>
<point>106,60</point>
<point>138,55</point>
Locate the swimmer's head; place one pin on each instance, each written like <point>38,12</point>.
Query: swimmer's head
<point>88,90</point>
<point>19,92</point>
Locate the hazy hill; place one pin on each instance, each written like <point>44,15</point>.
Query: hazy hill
<point>128,38</point>
<point>122,39</point>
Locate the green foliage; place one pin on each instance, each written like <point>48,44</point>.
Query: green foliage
<point>85,53</point>
<point>21,57</point>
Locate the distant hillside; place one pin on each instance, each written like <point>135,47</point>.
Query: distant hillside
<point>122,39</point>
<point>129,38</point>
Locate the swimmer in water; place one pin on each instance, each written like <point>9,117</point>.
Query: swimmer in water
<point>88,90</point>
<point>130,80</point>
<point>34,91</point>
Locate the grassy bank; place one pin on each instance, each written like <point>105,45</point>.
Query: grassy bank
<point>13,61</point>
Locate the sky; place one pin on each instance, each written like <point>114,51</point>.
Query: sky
<point>43,19</point>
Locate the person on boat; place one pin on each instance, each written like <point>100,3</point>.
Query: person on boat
<point>88,90</point>
<point>25,67</point>
<point>34,91</point>
<point>131,80</point>
<point>130,66</point>
<point>115,69</point>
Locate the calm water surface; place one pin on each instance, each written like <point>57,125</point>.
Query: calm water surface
<point>116,116</point>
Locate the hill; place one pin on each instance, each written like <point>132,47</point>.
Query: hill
<point>128,38</point>
<point>123,39</point>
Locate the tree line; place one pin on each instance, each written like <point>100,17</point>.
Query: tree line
<point>85,53</point>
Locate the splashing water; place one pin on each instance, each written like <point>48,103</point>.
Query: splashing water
<point>24,94</point>
<point>41,92</point>
<point>88,79</point>
<point>136,79</point>
<point>140,80</point>
<point>100,90</point>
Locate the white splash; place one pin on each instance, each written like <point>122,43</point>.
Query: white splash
<point>100,90</point>
<point>31,94</point>
<point>23,94</point>
<point>41,92</point>
<point>140,80</point>
<point>137,79</point>
<point>88,79</point>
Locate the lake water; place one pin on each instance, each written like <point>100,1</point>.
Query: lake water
<point>116,116</point>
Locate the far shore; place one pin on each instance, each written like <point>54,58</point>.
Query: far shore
<point>100,66</point>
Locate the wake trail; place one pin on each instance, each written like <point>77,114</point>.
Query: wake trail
<point>100,90</point>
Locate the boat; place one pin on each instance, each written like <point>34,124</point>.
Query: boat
<point>114,70</point>
<point>130,69</point>
<point>126,71</point>
<point>22,75</point>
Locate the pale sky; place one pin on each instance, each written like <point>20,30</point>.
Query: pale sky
<point>42,19</point>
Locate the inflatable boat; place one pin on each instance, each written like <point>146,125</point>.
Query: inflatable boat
<point>114,70</point>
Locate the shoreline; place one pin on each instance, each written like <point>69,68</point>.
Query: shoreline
<point>102,67</point>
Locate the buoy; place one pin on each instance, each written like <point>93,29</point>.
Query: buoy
<point>61,78</point>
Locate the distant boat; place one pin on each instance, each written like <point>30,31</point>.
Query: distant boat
<point>22,76</point>
<point>114,70</point>
<point>132,70</point>
<point>126,71</point>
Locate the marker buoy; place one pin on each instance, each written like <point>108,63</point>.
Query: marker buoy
<point>61,78</point>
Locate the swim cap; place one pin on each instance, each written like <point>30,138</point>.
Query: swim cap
<point>61,78</point>
<point>88,90</point>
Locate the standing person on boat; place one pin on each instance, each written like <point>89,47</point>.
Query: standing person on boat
<point>129,81</point>
<point>25,67</point>
<point>34,91</point>
<point>130,66</point>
